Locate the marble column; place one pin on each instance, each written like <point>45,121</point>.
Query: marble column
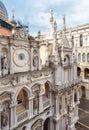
<point>32,68</point>
<point>56,125</point>
<point>78,96</point>
<point>82,73</point>
<point>13,118</point>
<point>39,58</point>
<point>47,54</point>
<point>30,107</point>
<point>51,124</point>
<point>56,106</point>
<point>40,103</point>
<point>72,101</point>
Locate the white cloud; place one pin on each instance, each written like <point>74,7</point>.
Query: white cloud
<point>37,13</point>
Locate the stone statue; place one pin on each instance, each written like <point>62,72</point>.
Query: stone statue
<point>4,62</point>
<point>4,119</point>
<point>36,61</point>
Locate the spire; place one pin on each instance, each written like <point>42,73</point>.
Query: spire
<point>64,23</point>
<point>13,19</point>
<point>13,11</point>
<point>55,25</point>
<point>51,16</point>
<point>65,42</point>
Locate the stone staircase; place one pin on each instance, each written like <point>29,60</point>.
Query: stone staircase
<point>83,123</point>
<point>84,104</point>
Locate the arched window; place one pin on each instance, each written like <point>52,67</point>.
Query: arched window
<point>22,100</point>
<point>79,57</point>
<point>78,71</point>
<point>81,40</point>
<point>47,93</point>
<point>88,57</point>
<point>66,59</point>
<point>86,73</point>
<point>83,57</point>
<point>24,128</point>
<point>72,41</point>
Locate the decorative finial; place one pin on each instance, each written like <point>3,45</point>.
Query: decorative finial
<point>13,19</point>
<point>39,34</point>
<point>64,23</point>
<point>13,11</point>
<point>55,25</point>
<point>51,15</point>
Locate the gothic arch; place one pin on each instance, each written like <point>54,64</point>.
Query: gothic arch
<point>78,71</point>
<point>47,125</point>
<point>24,128</point>
<point>86,73</point>
<point>49,83</point>
<point>37,125</point>
<point>26,89</point>
<point>67,58</point>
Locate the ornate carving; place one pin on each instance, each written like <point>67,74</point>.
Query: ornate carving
<point>5,81</point>
<point>15,80</point>
<point>36,74</point>
<point>20,33</point>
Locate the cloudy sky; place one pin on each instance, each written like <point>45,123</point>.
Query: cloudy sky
<point>36,12</point>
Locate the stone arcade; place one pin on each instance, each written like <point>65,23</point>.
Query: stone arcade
<point>39,87</point>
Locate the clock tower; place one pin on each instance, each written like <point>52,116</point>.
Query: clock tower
<point>24,51</point>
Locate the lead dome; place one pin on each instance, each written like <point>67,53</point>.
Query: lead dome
<point>3,12</point>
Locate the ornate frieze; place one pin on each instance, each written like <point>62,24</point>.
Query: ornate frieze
<point>36,74</point>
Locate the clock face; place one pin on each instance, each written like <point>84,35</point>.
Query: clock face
<point>21,57</point>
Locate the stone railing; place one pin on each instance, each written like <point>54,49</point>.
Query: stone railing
<point>46,103</point>
<point>22,116</point>
<point>69,83</point>
<point>67,65</point>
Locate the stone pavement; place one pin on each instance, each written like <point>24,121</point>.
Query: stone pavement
<point>83,123</point>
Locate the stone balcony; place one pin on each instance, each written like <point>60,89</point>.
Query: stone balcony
<point>46,103</point>
<point>22,116</point>
<point>69,83</point>
<point>67,65</point>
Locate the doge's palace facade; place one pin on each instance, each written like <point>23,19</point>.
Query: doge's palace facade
<point>39,87</point>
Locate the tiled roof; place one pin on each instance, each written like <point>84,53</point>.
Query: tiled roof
<point>5,32</point>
